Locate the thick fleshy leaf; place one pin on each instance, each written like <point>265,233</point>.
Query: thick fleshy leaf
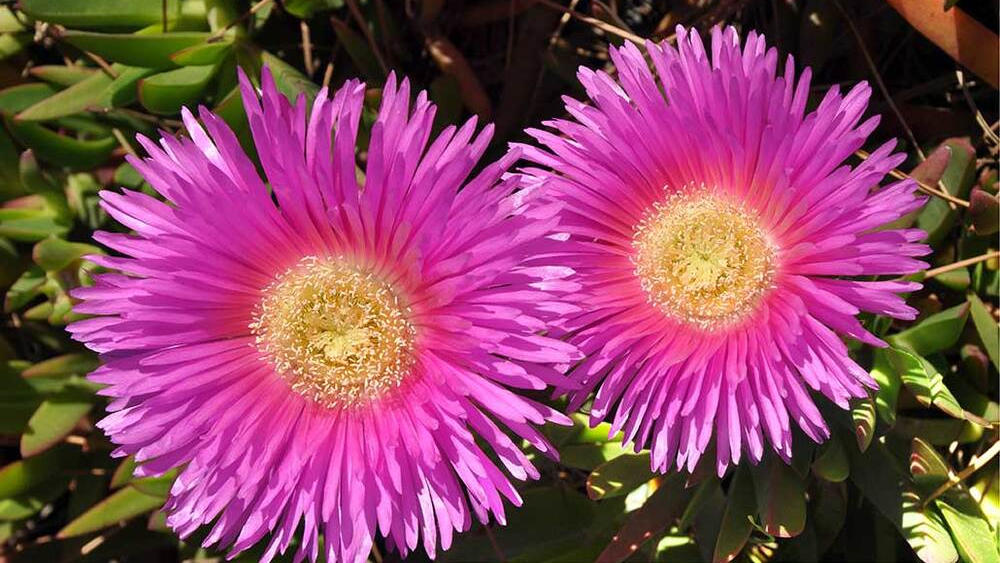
<point>889,384</point>
<point>657,513</point>
<point>35,181</point>
<point>23,475</point>
<point>736,521</point>
<point>927,385</point>
<point>151,51</point>
<point>55,254</point>
<point>79,97</point>
<point>62,366</point>
<point>987,327</point>
<point>590,456</point>
<point>30,502</point>
<point>926,465</point>
<point>935,333</point>
<point>781,497</point>
<point>54,420</point>
<point>123,473</point>
<point>128,502</point>
<point>863,415</point>
<point>109,13</point>
<point>887,487</point>
<point>938,217</point>
<point>831,461</point>
<point>618,476</point>
<point>167,92</point>
<point>26,288</point>
<point>204,54</point>
<point>29,225</point>
<point>985,212</point>
<point>970,530</point>
<point>62,75</point>
<point>156,486</point>
<point>60,149</point>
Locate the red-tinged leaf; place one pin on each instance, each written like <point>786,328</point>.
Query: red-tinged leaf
<point>781,498</point>
<point>831,461</point>
<point>863,414</point>
<point>736,521</point>
<point>927,467</point>
<point>659,511</point>
<point>984,209</point>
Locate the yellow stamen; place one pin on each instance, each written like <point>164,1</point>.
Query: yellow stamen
<point>703,259</point>
<point>338,334</point>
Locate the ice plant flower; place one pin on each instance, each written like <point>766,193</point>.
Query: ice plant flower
<point>722,245</point>
<point>320,353</point>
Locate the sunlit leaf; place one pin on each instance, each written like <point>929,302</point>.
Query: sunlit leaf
<point>659,510</point>
<point>167,92</point>
<point>935,333</point>
<point>54,420</point>
<point>122,505</point>
<point>150,51</point>
<point>107,13</point>
<point>781,497</point>
<point>618,476</point>
<point>54,254</point>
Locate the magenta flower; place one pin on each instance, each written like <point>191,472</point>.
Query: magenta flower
<point>321,353</point>
<point>722,244</point>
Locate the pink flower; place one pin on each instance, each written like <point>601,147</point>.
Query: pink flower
<point>722,245</point>
<point>321,353</point>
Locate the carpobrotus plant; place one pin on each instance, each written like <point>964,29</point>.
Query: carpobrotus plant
<point>722,245</point>
<point>320,354</point>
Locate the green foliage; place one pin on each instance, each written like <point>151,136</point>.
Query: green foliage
<point>907,474</point>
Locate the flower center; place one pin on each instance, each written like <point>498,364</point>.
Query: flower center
<point>702,259</point>
<point>338,334</point>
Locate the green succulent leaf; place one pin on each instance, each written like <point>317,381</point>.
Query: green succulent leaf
<point>55,254</point>
<point>618,476</point>
<point>737,520</point>
<point>125,503</point>
<point>150,51</point>
<point>54,420</point>
<point>987,327</point>
<point>658,512</point>
<point>62,76</point>
<point>23,475</point>
<point>110,14</point>
<point>970,530</point>
<point>60,149</point>
<point>167,92</point>
<point>935,333</point>
<point>781,497</point>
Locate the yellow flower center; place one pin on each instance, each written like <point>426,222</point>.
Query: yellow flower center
<point>338,334</point>
<point>702,259</point>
